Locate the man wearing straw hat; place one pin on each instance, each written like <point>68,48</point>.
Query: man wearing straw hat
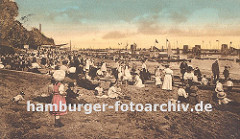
<point>58,96</point>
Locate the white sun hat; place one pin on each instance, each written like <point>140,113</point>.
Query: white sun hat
<point>59,75</point>
<point>221,95</point>
<point>72,70</point>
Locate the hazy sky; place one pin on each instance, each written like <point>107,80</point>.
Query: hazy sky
<point>105,23</point>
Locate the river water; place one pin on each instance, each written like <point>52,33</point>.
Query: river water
<point>206,65</point>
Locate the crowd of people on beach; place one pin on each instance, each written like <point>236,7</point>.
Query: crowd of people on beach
<point>94,74</point>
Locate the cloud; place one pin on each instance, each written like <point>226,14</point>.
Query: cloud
<point>66,15</point>
<point>178,17</point>
<point>117,35</point>
<point>207,30</point>
<point>150,28</point>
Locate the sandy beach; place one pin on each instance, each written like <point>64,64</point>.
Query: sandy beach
<point>222,122</point>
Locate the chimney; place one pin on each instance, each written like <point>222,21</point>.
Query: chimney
<point>40,27</point>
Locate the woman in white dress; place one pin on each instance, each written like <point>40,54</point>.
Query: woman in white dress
<point>87,67</point>
<point>138,82</point>
<point>104,67</point>
<point>127,74</point>
<point>167,82</point>
<point>158,81</point>
<point>120,73</point>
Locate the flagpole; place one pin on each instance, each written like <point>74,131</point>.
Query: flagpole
<point>166,42</point>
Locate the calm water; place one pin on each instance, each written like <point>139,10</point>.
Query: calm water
<point>206,65</point>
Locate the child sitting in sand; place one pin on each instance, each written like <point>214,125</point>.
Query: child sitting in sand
<point>222,98</point>
<point>229,85</point>
<point>182,95</point>
<point>72,97</point>
<point>99,90</point>
<point>218,88</point>
<point>19,97</point>
<point>114,91</point>
<point>204,80</point>
<point>138,82</point>
<point>193,95</point>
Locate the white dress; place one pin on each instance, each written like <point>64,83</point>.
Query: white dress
<point>138,82</point>
<point>104,67</point>
<point>127,75</point>
<point>87,64</point>
<point>188,76</point>
<point>120,73</point>
<point>144,66</point>
<point>204,81</point>
<point>182,92</point>
<point>219,87</point>
<point>195,79</point>
<point>35,65</point>
<point>158,77</point>
<point>167,82</point>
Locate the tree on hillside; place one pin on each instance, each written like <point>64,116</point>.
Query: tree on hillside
<point>13,33</point>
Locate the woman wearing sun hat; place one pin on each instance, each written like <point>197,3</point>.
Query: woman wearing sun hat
<point>168,79</point>
<point>58,96</point>
<point>158,73</point>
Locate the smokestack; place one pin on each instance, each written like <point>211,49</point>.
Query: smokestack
<point>70,46</point>
<point>40,27</point>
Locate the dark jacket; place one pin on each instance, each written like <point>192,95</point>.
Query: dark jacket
<point>215,68</point>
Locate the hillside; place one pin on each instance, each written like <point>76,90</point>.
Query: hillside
<point>13,33</point>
